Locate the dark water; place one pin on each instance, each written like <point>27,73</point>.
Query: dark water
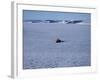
<point>41,50</point>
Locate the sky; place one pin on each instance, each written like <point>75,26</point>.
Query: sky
<point>51,15</point>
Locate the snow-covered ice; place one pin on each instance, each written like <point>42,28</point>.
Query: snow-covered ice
<point>40,49</point>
